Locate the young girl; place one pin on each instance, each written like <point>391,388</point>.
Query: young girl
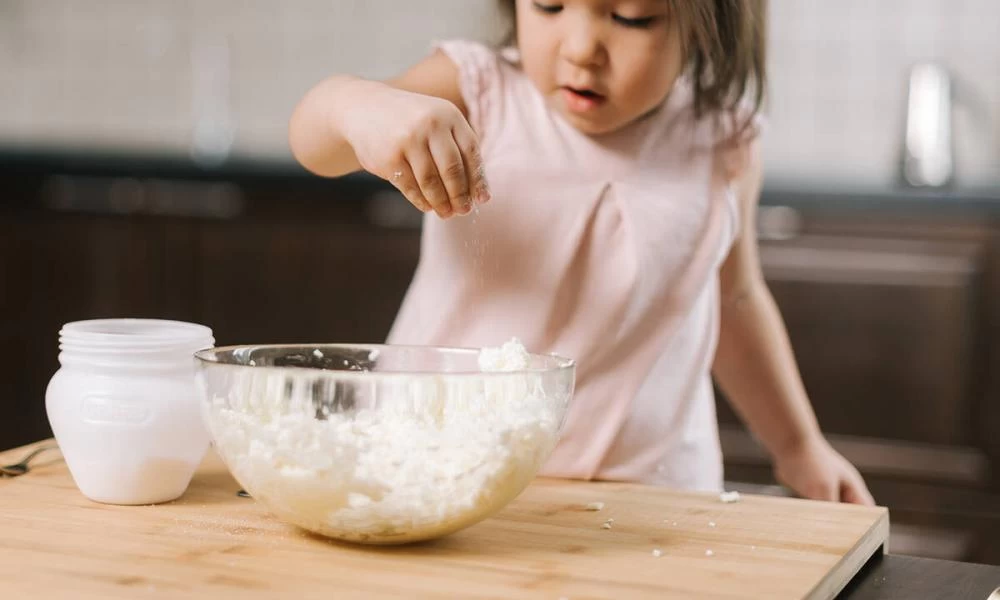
<point>619,142</point>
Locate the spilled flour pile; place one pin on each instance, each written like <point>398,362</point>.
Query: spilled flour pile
<point>435,453</point>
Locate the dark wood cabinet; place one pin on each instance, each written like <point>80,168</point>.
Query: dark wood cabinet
<point>60,268</point>
<point>892,319</point>
<point>885,331</point>
<point>15,333</point>
<point>298,280</point>
<point>299,260</point>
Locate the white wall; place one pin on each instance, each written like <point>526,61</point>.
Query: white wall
<point>142,74</point>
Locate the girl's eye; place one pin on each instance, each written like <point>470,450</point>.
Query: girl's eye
<point>641,23</point>
<point>548,9</point>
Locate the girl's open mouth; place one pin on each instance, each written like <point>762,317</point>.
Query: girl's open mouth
<point>581,100</point>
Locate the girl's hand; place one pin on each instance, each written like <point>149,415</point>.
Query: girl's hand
<point>816,471</point>
<point>421,144</point>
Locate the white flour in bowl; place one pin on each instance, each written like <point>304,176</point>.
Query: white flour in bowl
<point>437,455</point>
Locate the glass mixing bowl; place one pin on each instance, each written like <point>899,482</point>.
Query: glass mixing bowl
<point>381,444</point>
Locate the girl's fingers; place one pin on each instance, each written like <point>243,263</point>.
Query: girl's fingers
<point>402,177</point>
<point>468,145</point>
<point>854,490</point>
<point>425,172</point>
<point>451,170</point>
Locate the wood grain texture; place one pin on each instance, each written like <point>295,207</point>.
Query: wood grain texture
<point>212,544</point>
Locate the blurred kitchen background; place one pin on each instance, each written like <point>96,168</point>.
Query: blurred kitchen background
<point>145,172</point>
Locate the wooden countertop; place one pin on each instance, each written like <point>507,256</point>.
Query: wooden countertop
<point>211,543</point>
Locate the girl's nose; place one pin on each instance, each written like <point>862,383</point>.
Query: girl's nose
<point>581,43</point>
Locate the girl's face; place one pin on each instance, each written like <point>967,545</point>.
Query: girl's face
<point>602,64</point>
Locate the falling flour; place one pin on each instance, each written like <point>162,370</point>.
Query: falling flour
<point>437,454</point>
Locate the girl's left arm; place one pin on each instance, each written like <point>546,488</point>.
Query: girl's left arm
<point>755,367</point>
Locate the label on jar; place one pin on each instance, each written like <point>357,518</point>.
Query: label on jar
<point>104,409</point>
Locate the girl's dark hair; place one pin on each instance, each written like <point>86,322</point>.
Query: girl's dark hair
<point>725,45</point>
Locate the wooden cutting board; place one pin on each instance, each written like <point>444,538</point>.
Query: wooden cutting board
<point>213,544</point>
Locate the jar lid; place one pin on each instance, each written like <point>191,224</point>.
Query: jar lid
<point>134,335</point>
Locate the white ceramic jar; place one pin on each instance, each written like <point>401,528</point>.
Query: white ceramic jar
<point>124,407</point>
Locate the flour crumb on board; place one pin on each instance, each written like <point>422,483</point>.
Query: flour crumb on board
<point>595,506</point>
<point>711,524</point>
<point>709,553</point>
<point>657,552</point>
<point>729,497</point>
<point>607,524</point>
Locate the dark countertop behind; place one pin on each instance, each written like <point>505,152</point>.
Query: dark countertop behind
<point>812,196</point>
<point>141,164</point>
<point>895,577</point>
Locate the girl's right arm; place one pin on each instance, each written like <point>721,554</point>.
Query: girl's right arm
<point>412,131</point>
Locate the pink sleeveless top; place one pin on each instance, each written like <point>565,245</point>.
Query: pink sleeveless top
<point>604,250</point>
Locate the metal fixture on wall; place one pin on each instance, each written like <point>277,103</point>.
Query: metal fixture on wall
<point>928,149</point>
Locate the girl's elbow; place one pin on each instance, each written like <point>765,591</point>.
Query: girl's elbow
<point>306,146</point>
<point>737,295</point>
<point>301,155</point>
